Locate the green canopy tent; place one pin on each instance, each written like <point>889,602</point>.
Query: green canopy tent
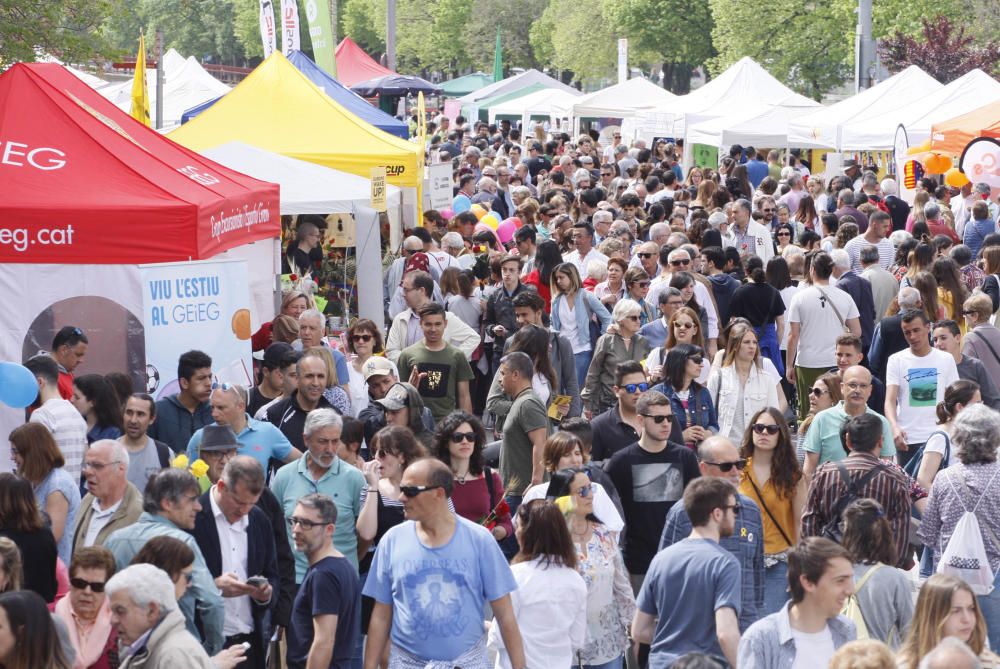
<point>481,108</point>
<point>456,88</point>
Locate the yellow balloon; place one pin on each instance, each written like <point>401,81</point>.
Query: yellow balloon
<point>478,211</point>
<point>955,178</point>
<point>491,220</point>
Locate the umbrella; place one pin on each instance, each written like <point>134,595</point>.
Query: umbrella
<point>395,84</point>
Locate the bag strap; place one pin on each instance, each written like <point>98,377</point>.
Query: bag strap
<point>988,345</point>
<point>965,486</point>
<point>864,579</point>
<point>840,318</point>
<point>488,474</point>
<point>763,505</point>
<point>853,488</point>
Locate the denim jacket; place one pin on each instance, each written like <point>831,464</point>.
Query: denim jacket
<point>769,643</point>
<point>591,305</point>
<point>724,386</point>
<point>700,405</point>
<point>746,544</point>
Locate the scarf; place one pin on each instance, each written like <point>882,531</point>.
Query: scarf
<point>97,641</point>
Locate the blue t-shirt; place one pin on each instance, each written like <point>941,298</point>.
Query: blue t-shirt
<point>704,577</point>
<point>437,594</point>
<point>331,587</point>
<point>259,439</point>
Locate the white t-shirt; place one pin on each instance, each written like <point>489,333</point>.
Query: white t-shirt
<point>568,326</point>
<point>819,326</point>
<point>938,444</point>
<point>812,650</point>
<point>922,382</point>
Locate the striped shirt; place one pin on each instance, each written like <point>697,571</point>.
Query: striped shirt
<point>886,252</point>
<point>890,488</point>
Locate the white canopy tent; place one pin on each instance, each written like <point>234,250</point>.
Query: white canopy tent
<point>619,101</point>
<point>186,84</point>
<point>543,103</point>
<point>973,89</point>
<point>758,125</point>
<point>515,83</point>
<point>308,188</point>
<point>828,127</point>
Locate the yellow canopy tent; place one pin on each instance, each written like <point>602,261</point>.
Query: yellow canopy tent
<point>278,109</point>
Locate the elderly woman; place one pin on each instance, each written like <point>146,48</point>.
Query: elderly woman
<point>983,337</point>
<point>971,484</point>
<point>612,290</point>
<point>86,611</point>
<point>142,600</point>
<point>637,286</point>
<point>611,349</point>
<point>293,303</point>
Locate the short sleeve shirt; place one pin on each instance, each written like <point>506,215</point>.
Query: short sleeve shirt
<point>437,594</point>
<point>331,587</point>
<point>819,326</point>
<point>443,370</point>
<point>922,382</point>
<point>527,413</point>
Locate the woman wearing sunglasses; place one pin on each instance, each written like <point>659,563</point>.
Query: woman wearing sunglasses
<point>825,393</point>
<point>364,340</point>
<point>612,349</point>
<point>637,284</point>
<point>610,602</point>
<point>774,480</point>
<point>683,327</point>
<point>690,402</point>
<point>85,610</point>
<point>740,386</point>
<point>478,494</point>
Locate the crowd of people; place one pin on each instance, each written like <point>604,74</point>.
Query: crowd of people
<point>617,414</point>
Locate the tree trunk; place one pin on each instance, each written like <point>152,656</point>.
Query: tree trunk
<point>677,77</point>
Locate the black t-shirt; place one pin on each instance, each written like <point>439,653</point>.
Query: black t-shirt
<point>256,400</point>
<point>331,586</point>
<point>649,484</point>
<point>759,303</point>
<point>537,164</point>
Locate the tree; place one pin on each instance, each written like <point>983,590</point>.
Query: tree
<point>68,29</point>
<point>943,50</point>
<point>514,18</point>
<point>364,22</point>
<point>572,38</point>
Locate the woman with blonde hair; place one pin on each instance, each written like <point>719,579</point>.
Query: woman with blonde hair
<point>863,654</point>
<point>293,303</point>
<point>573,311</point>
<point>683,327</point>
<point>703,198</point>
<point>740,386</point>
<point>11,567</point>
<point>946,607</point>
<point>917,215</point>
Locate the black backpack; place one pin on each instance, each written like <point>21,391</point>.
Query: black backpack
<point>832,529</point>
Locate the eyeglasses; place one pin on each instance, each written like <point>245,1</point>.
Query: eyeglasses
<point>761,428</point>
<point>968,313</point>
<point>683,326</point>
<point>361,337</point>
<point>696,359</point>
<point>735,507</point>
<point>728,466</point>
<point>459,437</point>
<point>632,388</point>
<point>302,522</point>
<point>854,385</point>
<point>414,490</point>
<point>96,587</point>
<point>679,263</point>
<point>818,392</point>
<point>658,419</point>
<point>382,453</point>
<point>96,466</point>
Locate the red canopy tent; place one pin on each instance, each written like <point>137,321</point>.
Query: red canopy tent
<point>355,66</point>
<point>83,182</point>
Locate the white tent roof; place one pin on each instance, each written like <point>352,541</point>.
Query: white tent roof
<point>973,89</point>
<point>186,84</point>
<point>758,125</point>
<point>744,82</point>
<point>514,83</point>
<point>826,128</point>
<point>539,103</point>
<point>306,188</point>
<point>620,100</point>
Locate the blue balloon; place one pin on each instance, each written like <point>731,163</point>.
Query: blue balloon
<point>18,387</point>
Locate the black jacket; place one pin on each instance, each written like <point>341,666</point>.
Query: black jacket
<point>860,291</point>
<point>890,340</point>
<point>261,560</point>
<point>290,418</point>
<point>271,507</point>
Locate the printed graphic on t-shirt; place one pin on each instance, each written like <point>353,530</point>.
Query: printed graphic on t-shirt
<point>923,386</point>
<point>437,606</point>
<point>657,482</point>
<point>435,384</point>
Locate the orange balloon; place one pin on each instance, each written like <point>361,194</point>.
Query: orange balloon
<point>241,324</point>
<point>937,163</point>
<point>955,178</point>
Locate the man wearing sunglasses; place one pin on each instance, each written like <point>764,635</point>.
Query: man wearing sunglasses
<point>430,578</point>
<point>718,457</point>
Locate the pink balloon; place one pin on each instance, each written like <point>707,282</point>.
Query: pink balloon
<point>505,231</point>
<point>447,214</point>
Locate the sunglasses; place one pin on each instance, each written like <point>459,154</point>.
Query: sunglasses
<point>735,507</point>
<point>96,587</point>
<point>684,326</point>
<point>631,388</point>
<point>382,453</point>
<point>362,337</point>
<point>696,359</point>
<point>225,387</point>
<point>414,490</point>
<point>632,317</point>
<point>679,263</point>
<point>761,428</point>
<point>728,466</point>
<point>644,284</point>
<point>459,437</point>
<point>767,211</point>
<point>818,392</point>
<point>784,234</point>
<point>658,419</point>
<point>584,492</point>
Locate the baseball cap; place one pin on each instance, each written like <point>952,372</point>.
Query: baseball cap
<point>274,353</point>
<point>396,399</point>
<point>376,366</point>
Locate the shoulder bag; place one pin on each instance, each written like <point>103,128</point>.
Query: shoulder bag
<point>840,318</point>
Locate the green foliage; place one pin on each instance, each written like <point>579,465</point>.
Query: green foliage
<point>364,22</point>
<point>515,18</point>
<point>580,41</point>
<point>67,29</point>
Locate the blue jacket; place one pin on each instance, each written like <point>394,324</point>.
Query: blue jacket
<point>591,305</point>
<point>700,406</point>
<point>655,332</point>
<point>174,424</point>
<point>975,233</point>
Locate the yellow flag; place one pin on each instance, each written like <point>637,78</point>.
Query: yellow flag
<point>140,94</point>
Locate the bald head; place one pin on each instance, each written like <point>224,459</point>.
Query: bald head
<point>430,472</point>
<point>856,387</point>
<point>412,243</point>
<point>716,454</point>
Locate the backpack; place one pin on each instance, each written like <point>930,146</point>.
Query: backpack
<point>852,607</point>
<point>912,468</point>
<point>965,556</point>
<point>832,529</point>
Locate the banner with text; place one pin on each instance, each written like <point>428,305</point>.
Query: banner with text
<point>267,32</point>
<point>203,305</point>
<point>321,33</point>
<point>289,26</point>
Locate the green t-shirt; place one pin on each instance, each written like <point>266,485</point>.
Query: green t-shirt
<point>823,436</point>
<point>444,369</point>
<point>527,414</point>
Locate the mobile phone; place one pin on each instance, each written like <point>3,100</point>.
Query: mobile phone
<point>257,581</point>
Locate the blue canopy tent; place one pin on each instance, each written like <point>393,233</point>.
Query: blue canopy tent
<point>337,91</point>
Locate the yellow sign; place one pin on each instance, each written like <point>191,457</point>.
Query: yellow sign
<point>378,189</point>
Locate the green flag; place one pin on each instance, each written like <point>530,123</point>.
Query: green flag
<point>498,59</point>
<point>321,32</point>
